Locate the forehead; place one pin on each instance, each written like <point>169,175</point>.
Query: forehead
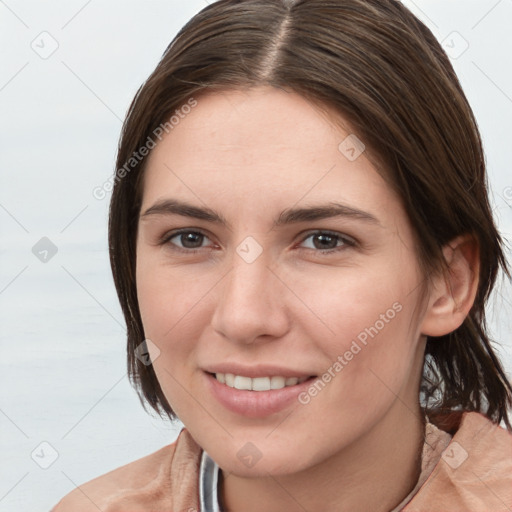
<point>258,148</point>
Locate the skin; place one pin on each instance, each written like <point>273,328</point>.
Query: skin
<point>249,155</point>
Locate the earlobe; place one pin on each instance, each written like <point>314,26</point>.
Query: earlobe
<point>454,291</point>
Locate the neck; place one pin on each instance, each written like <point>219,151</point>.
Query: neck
<point>375,473</point>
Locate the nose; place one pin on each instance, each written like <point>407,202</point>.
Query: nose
<point>251,303</point>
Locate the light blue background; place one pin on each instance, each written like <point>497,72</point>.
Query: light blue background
<point>63,375</point>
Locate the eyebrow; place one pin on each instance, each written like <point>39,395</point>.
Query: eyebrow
<point>288,216</point>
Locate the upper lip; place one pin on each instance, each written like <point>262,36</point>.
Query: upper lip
<point>254,371</point>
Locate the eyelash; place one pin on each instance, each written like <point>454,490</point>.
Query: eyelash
<point>347,241</point>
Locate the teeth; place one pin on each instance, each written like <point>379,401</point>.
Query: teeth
<point>277,382</point>
<point>243,382</point>
<point>258,383</point>
<point>261,384</point>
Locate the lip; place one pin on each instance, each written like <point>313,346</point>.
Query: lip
<point>255,404</point>
<point>254,371</point>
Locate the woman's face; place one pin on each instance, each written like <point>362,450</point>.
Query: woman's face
<point>269,247</point>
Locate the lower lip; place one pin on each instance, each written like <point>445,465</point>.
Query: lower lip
<point>255,404</point>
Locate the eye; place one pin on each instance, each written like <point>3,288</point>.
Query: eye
<point>327,242</point>
<point>323,242</point>
<point>186,240</point>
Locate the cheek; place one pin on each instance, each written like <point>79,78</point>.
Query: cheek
<point>366,330</point>
<point>168,299</point>
<point>175,305</point>
<point>380,353</point>
<point>344,304</point>
<point>168,306</point>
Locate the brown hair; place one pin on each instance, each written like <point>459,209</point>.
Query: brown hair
<point>376,65</point>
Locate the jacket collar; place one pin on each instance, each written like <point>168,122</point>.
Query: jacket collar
<point>473,474</point>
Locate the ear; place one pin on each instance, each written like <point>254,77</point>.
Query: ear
<point>453,292</point>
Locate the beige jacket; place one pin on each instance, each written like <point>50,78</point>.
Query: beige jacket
<point>469,472</point>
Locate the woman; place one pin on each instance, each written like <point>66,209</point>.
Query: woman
<point>302,244</point>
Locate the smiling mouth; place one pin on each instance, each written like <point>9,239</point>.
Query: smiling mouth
<point>244,383</point>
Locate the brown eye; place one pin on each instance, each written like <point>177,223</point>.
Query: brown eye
<point>191,240</point>
<point>326,241</point>
<point>185,240</point>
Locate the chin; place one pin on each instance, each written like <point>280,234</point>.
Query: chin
<point>264,467</point>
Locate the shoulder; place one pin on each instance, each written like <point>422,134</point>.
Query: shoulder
<point>104,492</point>
<point>474,472</point>
<point>160,479</point>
